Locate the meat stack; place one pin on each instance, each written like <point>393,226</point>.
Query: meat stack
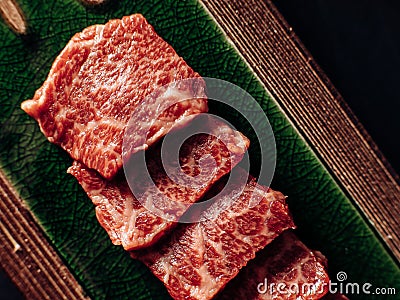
<point>94,94</point>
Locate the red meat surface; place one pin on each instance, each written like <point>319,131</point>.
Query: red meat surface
<point>286,261</point>
<point>101,79</point>
<point>126,220</point>
<point>197,260</point>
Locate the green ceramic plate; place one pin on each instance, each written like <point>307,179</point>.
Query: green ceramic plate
<point>326,217</point>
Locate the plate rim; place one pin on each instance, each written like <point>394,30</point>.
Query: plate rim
<point>226,15</point>
<point>375,194</point>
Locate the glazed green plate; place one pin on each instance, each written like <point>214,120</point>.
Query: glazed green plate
<point>327,219</point>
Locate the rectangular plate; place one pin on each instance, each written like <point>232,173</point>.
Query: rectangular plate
<point>326,211</point>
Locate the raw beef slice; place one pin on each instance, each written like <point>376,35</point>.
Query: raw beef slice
<point>197,260</point>
<point>97,83</point>
<point>126,220</point>
<point>286,261</point>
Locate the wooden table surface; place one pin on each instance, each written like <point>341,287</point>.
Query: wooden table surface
<point>366,188</point>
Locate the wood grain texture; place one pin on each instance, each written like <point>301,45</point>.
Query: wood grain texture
<point>27,256</point>
<point>287,70</point>
<point>13,16</point>
<point>309,99</point>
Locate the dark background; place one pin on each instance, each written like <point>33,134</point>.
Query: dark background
<point>357,44</point>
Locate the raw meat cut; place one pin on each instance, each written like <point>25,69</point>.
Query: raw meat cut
<point>101,79</point>
<point>126,220</point>
<point>197,260</point>
<point>286,261</point>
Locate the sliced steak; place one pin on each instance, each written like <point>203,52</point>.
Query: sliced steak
<point>100,79</point>
<point>126,220</point>
<point>286,261</point>
<point>197,260</point>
